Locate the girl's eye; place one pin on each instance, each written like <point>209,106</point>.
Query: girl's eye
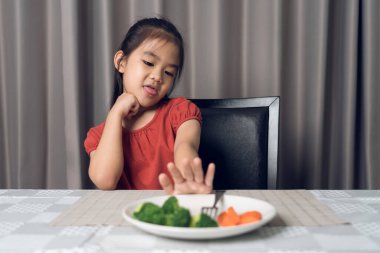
<point>169,73</point>
<point>148,63</point>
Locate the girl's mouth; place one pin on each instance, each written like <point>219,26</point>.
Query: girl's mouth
<point>150,90</point>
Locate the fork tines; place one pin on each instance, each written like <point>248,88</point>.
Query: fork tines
<point>210,211</point>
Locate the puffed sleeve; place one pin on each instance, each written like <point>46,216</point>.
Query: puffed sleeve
<point>182,111</point>
<point>93,138</point>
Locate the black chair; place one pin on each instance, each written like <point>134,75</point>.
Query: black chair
<point>241,137</point>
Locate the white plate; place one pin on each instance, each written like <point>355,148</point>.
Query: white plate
<point>194,204</point>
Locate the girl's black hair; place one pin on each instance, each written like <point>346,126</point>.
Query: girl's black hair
<point>138,33</point>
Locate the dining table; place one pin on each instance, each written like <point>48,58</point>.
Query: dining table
<point>62,220</point>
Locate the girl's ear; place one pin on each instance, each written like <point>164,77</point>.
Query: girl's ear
<point>119,61</point>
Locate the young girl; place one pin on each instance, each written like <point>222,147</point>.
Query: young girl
<point>149,141</point>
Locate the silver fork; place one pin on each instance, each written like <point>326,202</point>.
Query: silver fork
<point>213,210</point>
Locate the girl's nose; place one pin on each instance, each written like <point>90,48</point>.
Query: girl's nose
<point>156,76</point>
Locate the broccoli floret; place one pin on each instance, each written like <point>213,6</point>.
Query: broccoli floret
<point>171,214</point>
<point>170,205</point>
<point>202,221</point>
<point>149,212</point>
<point>179,218</point>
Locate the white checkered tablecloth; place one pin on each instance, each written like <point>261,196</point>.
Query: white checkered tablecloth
<point>25,217</point>
<point>293,207</point>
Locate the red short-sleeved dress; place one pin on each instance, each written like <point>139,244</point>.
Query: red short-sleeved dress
<point>148,150</point>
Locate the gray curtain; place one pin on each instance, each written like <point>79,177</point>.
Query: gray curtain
<point>321,57</point>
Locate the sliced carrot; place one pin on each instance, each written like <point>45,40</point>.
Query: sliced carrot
<point>228,218</point>
<point>232,214</point>
<point>231,218</point>
<point>250,216</point>
<point>223,220</point>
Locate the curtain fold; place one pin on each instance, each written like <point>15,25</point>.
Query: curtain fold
<point>72,66</point>
<point>56,164</point>
<point>305,66</point>
<point>369,78</point>
<point>321,57</point>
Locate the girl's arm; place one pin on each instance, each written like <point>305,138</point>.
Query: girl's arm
<point>107,161</point>
<point>186,144</point>
<point>187,172</point>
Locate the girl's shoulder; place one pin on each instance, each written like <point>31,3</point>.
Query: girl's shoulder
<point>175,101</point>
<point>180,109</point>
<point>178,104</point>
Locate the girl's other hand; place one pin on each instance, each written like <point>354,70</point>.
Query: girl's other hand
<point>127,105</point>
<point>192,181</point>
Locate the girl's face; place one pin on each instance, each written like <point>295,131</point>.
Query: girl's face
<point>149,71</point>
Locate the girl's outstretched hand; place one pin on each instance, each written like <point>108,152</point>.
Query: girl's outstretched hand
<point>191,181</point>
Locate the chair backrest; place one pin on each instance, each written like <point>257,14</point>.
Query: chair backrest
<point>241,137</point>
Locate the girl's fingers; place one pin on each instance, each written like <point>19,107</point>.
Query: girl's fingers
<point>166,184</point>
<point>176,174</point>
<point>198,170</point>
<point>187,170</point>
<point>133,110</point>
<point>131,114</point>
<point>210,174</point>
